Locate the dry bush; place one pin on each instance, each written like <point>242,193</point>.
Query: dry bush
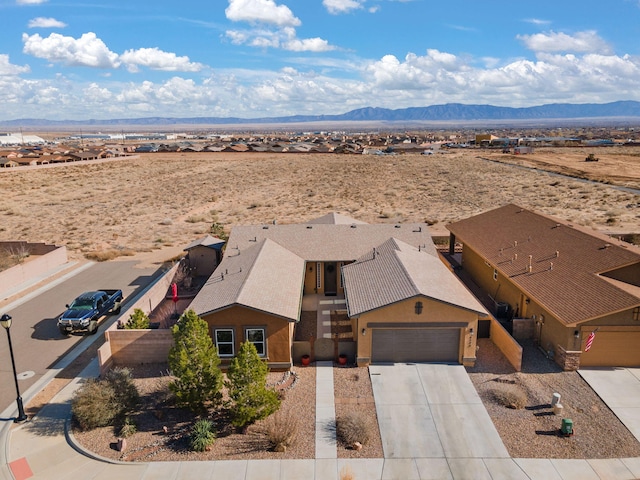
<point>105,255</point>
<point>352,428</point>
<point>281,429</point>
<point>94,405</point>
<point>510,396</point>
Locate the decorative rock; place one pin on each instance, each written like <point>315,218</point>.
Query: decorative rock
<point>281,448</point>
<point>357,446</point>
<point>122,444</point>
<point>165,429</point>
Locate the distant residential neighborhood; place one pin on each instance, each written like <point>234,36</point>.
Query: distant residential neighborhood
<point>19,149</point>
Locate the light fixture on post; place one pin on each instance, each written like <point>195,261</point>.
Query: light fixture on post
<point>5,321</point>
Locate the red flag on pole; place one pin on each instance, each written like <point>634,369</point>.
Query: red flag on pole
<point>590,338</point>
<point>174,292</point>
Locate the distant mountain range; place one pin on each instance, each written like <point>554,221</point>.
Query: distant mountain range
<point>434,113</point>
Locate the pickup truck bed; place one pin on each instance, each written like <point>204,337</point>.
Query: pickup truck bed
<point>87,309</point>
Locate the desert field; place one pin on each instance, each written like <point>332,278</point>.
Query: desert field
<point>143,204</point>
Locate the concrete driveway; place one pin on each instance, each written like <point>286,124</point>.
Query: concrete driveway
<point>619,388</point>
<point>432,411</point>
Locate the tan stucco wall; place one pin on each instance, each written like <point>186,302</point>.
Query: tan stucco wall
<point>403,312</point>
<point>279,332</point>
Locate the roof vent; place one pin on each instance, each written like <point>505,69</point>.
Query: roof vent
<point>397,226</point>
<point>309,227</point>
<point>605,246</point>
<point>353,225</point>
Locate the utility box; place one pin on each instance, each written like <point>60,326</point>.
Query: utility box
<point>567,427</point>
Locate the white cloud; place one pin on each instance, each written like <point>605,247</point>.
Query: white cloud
<point>284,39</point>
<point>537,21</point>
<point>8,69</point>
<point>261,11</point>
<point>43,22</point>
<point>582,42</point>
<point>336,7</point>
<point>157,59</point>
<point>30,2</point>
<point>434,77</point>
<point>86,51</point>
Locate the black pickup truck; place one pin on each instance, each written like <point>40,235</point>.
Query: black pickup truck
<point>85,311</point>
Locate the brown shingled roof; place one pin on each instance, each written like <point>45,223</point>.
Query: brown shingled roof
<point>264,277</point>
<point>398,271</point>
<point>566,261</point>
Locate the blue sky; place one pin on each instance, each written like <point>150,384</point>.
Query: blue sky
<point>62,59</point>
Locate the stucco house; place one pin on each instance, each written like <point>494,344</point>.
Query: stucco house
<point>404,303</point>
<point>565,280</point>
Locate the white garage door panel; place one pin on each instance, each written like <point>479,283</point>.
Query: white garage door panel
<point>416,345</point>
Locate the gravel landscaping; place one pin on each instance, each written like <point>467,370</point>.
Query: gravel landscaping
<point>532,431</point>
<point>152,443</point>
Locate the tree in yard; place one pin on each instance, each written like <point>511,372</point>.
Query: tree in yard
<point>251,400</point>
<point>137,320</point>
<point>194,362</point>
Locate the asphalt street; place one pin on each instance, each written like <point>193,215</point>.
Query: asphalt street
<point>37,343</point>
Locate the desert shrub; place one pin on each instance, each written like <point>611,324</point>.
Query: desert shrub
<point>217,230</point>
<point>251,400</point>
<point>127,396</point>
<point>194,362</point>
<point>127,429</point>
<point>352,428</point>
<point>94,405</point>
<point>137,320</point>
<point>281,429</point>
<point>510,396</point>
<point>98,403</point>
<point>202,435</point>
<point>106,255</point>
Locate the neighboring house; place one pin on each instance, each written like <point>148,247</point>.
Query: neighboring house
<point>204,255</point>
<point>405,305</point>
<point>565,280</point>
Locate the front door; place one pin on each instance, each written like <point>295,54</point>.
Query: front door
<point>330,278</point>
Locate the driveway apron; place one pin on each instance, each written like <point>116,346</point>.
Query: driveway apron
<point>432,411</point>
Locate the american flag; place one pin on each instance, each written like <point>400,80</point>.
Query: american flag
<point>590,338</point>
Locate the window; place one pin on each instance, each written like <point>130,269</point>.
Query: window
<point>418,308</point>
<point>258,338</point>
<point>636,314</point>
<point>495,274</point>
<point>318,275</point>
<point>224,342</point>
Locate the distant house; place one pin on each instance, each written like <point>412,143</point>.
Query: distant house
<point>404,304</point>
<point>565,280</point>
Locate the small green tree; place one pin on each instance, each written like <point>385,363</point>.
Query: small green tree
<point>194,362</point>
<point>137,320</point>
<point>251,400</point>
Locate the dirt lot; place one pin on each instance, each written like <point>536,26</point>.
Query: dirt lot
<point>166,200</point>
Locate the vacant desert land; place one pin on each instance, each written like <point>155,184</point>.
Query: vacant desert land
<point>159,200</point>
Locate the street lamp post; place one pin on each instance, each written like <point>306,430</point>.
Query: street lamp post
<point>5,320</point>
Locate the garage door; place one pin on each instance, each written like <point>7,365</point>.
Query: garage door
<point>612,349</point>
<point>415,345</point>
